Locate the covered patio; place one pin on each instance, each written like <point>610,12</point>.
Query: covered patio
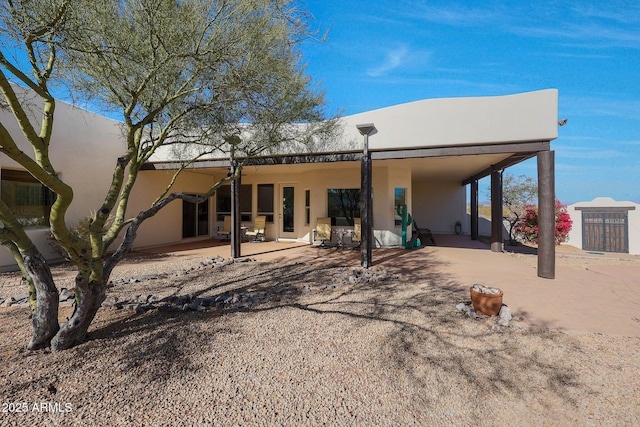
<point>421,146</point>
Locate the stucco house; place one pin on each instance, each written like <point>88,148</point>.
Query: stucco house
<point>605,225</point>
<point>422,154</point>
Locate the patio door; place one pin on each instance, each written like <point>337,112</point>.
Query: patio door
<point>195,219</point>
<point>286,214</point>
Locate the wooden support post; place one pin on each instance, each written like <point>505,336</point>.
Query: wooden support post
<point>236,216</point>
<point>546,215</point>
<point>474,209</point>
<point>496,211</point>
<point>366,208</point>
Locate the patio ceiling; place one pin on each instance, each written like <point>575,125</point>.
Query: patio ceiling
<point>443,168</point>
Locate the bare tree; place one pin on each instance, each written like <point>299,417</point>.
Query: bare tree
<point>195,77</point>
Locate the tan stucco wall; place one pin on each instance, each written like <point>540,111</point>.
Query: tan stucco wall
<point>165,227</point>
<point>438,205</point>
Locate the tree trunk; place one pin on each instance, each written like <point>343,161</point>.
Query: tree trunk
<point>89,298</point>
<point>45,317</point>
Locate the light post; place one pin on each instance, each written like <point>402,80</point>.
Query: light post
<point>366,196</point>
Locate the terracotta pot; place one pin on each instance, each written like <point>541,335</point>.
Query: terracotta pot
<point>488,304</point>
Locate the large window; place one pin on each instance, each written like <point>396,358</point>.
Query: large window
<point>28,199</point>
<point>343,205</point>
<point>223,202</point>
<point>265,201</point>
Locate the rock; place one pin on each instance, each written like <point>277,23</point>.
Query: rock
<point>66,294</point>
<point>485,289</point>
<point>110,302</point>
<point>183,299</point>
<point>505,315</point>
<point>143,299</point>
<point>8,302</point>
<point>20,298</point>
<point>166,307</point>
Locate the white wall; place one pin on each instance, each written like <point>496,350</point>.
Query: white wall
<point>84,148</point>
<point>531,116</point>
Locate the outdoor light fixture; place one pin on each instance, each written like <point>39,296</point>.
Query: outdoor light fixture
<point>366,129</point>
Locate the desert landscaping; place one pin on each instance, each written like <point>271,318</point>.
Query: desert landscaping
<point>303,336</point>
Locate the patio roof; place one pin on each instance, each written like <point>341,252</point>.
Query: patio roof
<point>459,139</point>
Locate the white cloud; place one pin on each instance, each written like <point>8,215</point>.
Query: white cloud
<point>394,59</point>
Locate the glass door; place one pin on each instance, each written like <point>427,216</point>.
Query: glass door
<point>195,219</point>
<point>287,212</point>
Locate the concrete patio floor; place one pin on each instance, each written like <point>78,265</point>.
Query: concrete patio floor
<point>591,292</point>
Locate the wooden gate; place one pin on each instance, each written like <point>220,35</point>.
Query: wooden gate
<point>605,231</point>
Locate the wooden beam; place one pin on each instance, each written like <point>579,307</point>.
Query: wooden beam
<point>496,211</point>
<point>465,150</point>
<point>343,156</point>
<point>236,216</point>
<point>366,210</point>
<point>510,161</point>
<point>474,209</point>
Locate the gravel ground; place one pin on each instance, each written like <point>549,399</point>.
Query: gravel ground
<point>393,352</point>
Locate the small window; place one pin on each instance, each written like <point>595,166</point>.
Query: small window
<point>399,199</point>
<point>27,198</point>
<point>223,202</point>
<point>307,206</point>
<point>265,201</point>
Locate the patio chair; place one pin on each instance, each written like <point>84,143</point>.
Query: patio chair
<point>323,231</point>
<point>259,229</point>
<point>225,232</point>
<point>424,234</point>
<point>356,237</point>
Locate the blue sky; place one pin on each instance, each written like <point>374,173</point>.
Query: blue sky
<point>379,53</point>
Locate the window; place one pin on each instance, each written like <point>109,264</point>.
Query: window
<point>223,202</point>
<point>28,199</point>
<point>343,205</point>
<point>400,198</point>
<point>265,201</point>
<point>307,207</point>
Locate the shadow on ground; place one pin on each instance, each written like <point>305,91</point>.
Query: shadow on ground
<point>422,337</point>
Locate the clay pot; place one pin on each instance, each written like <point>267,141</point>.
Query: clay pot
<point>488,304</point>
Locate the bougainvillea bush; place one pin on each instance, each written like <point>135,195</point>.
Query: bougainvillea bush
<point>527,228</point>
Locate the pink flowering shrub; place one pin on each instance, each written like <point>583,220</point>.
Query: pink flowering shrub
<point>527,228</point>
